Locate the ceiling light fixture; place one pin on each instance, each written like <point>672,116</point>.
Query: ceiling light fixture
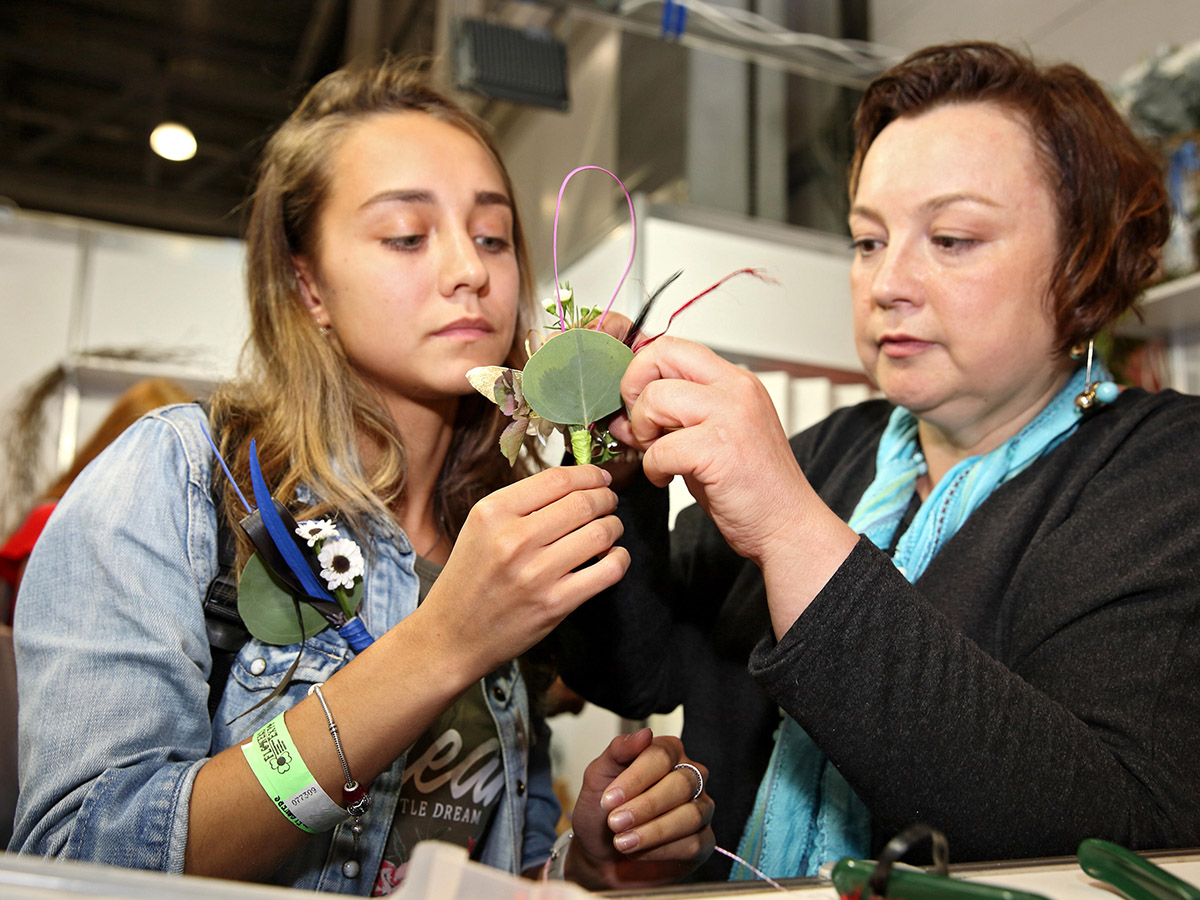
<point>170,140</point>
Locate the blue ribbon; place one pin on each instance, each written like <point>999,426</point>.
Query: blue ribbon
<point>279,532</point>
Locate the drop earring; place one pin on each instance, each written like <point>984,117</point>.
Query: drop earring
<point>1094,392</point>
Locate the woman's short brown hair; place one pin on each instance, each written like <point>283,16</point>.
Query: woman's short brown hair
<point>1113,210</point>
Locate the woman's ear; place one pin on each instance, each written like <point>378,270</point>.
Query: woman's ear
<point>310,291</point>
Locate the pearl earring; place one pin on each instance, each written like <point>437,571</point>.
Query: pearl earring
<point>1094,392</point>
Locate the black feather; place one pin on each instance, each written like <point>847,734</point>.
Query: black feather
<point>645,310</point>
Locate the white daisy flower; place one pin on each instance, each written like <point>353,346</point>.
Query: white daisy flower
<point>341,562</point>
<point>313,530</point>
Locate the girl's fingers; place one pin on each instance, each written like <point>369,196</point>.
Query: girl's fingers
<point>580,546</point>
<point>583,584</point>
<point>569,514</point>
<point>540,490</point>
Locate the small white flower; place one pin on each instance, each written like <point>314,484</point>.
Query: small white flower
<point>313,530</point>
<point>341,562</point>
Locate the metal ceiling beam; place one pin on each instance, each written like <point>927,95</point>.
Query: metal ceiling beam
<point>106,131</point>
<point>71,129</point>
<point>268,102</point>
<point>316,36</point>
<point>401,24</point>
<point>149,36</point>
<point>364,30</point>
<point>127,203</point>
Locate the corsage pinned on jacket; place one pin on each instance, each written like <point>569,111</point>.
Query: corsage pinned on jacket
<point>572,381</point>
<point>302,577</point>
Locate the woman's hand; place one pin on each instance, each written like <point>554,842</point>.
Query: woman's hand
<point>527,556</point>
<point>636,822</point>
<point>699,416</point>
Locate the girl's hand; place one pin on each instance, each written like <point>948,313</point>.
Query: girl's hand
<point>636,822</point>
<point>527,556</point>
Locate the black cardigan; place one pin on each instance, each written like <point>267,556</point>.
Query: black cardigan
<point>1039,684</point>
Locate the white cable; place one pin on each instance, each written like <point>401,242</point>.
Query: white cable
<point>756,29</point>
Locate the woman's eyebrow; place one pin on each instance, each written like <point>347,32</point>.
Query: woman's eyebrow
<point>933,204</point>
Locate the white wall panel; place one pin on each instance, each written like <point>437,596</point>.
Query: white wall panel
<point>168,291</point>
<point>805,317</point>
<point>37,281</point>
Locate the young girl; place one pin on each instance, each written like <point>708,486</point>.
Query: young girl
<point>385,259</point>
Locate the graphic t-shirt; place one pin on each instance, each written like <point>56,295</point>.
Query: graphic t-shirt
<point>452,778</point>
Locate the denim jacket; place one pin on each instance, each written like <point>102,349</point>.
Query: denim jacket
<point>113,664</point>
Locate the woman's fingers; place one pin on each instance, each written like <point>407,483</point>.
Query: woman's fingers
<point>653,800</point>
<point>666,793</point>
<point>666,405</point>
<point>681,832</point>
<point>636,821</point>
<point>670,358</point>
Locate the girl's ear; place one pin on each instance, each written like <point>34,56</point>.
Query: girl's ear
<point>310,291</point>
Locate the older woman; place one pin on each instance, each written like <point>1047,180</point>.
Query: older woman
<point>982,596</point>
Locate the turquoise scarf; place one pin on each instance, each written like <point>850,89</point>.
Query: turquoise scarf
<point>805,813</point>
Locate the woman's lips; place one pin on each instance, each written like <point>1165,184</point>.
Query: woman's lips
<point>902,345</point>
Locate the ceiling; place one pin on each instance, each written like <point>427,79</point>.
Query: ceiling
<point>83,82</point>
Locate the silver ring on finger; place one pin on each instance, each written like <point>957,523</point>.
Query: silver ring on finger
<point>699,778</point>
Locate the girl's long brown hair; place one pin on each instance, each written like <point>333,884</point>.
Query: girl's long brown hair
<point>297,396</point>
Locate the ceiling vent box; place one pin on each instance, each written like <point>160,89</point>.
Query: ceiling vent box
<point>523,65</point>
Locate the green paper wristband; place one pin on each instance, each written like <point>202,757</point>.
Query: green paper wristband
<point>281,772</point>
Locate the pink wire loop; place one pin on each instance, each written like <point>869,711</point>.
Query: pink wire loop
<point>632,243</point>
<point>761,874</point>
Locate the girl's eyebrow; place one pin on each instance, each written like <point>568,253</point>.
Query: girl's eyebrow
<point>491,198</point>
<point>413,195</point>
<point>419,195</point>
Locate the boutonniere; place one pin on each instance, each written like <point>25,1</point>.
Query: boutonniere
<point>302,577</point>
<point>572,381</point>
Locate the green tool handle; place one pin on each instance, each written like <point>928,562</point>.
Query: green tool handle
<point>1133,876</point>
<point>850,877</point>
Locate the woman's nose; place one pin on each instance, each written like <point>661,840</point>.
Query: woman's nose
<point>898,276</point>
<point>462,266</point>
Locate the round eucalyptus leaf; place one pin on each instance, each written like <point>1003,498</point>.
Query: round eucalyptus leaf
<point>266,606</point>
<point>575,378</point>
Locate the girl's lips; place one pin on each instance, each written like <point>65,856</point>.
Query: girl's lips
<point>466,328</point>
<point>902,346</point>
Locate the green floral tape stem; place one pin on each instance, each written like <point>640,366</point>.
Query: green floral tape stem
<point>581,445</point>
